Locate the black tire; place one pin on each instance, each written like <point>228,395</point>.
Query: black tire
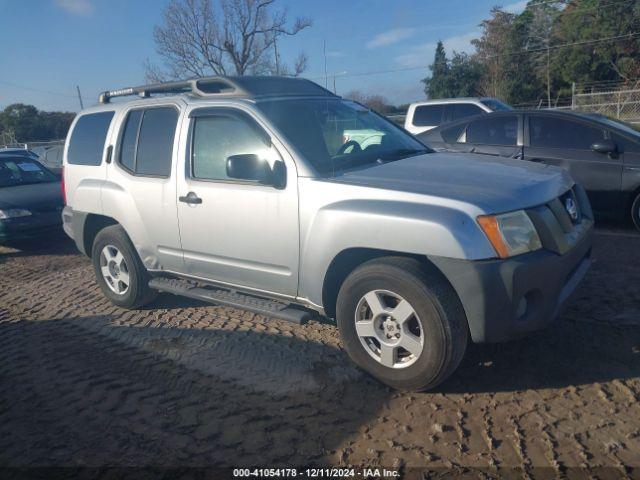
<point>138,292</point>
<point>635,212</point>
<point>438,311</point>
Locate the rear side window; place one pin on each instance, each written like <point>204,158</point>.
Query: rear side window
<point>428,115</point>
<point>146,145</point>
<point>494,131</point>
<point>553,132</point>
<point>462,110</point>
<point>86,144</point>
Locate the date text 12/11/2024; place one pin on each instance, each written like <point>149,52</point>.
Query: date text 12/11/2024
<point>315,473</point>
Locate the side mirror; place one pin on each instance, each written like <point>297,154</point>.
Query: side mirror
<point>248,167</point>
<point>604,147</point>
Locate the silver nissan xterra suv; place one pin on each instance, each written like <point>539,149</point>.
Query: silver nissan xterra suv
<point>246,192</point>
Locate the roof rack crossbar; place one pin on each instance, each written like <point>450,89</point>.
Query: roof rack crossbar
<point>204,86</point>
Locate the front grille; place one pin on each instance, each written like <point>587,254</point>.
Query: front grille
<point>562,222</point>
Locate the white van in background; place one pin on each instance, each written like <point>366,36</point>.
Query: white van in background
<point>423,116</point>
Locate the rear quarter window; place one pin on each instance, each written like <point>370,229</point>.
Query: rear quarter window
<point>86,144</point>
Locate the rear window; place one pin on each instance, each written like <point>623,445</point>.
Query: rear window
<point>428,115</point>
<point>88,138</point>
<point>146,146</point>
<point>494,131</point>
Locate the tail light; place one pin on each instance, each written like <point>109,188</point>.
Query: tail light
<point>64,191</point>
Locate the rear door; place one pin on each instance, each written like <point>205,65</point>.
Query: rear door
<point>140,191</point>
<point>566,142</point>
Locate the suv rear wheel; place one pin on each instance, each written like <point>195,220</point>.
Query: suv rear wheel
<point>402,324</point>
<point>119,271</point>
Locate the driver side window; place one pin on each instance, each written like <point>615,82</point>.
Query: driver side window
<point>217,137</point>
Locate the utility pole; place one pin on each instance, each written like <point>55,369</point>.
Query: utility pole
<point>324,51</point>
<point>79,97</point>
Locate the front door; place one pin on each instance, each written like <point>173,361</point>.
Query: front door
<point>236,232</point>
<point>567,143</point>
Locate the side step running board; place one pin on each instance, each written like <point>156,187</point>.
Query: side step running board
<point>229,298</point>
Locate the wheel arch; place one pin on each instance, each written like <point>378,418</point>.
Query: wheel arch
<point>635,194</point>
<point>349,259</point>
<point>93,224</point>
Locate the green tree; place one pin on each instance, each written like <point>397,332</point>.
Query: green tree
<point>439,84</point>
<point>588,20</point>
<point>465,73</point>
<point>28,124</point>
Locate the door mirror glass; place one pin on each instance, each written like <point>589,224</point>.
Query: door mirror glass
<point>248,166</point>
<point>604,146</point>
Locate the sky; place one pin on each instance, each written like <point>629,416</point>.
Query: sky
<point>48,47</point>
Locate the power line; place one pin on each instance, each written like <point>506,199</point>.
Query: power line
<point>520,52</point>
<point>49,92</point>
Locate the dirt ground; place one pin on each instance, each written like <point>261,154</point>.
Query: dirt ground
<point>83,383</point>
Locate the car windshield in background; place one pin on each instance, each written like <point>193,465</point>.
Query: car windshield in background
<point>338,134</point>
<point>620,125</point>
<point>23,171</point>
<point>496,105</point>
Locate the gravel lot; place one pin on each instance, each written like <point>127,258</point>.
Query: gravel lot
<point>189,384</point>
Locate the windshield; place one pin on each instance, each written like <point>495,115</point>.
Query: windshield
<point>23,171</point>
<point>496,105</point>
<point>336,134</point>
<point>619,124</point>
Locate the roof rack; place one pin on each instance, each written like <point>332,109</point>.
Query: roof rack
<point>204,86</point>
<point>247,86</point>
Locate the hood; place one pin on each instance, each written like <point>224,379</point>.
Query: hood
<point>494,184</point>
<point>35,197</point>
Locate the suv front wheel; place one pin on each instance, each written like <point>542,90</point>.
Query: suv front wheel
<point>119,271</point>
<point>401,323</point>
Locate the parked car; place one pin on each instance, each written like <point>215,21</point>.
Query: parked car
<point>423,116</point>
<point>244,192</point>
<point>602,155</point>
<point>30,200</point>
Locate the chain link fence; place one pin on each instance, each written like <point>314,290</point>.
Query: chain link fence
<point>620,104</point>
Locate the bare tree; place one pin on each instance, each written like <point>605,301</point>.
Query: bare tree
<point>375,102</point>
<point>237,37</point>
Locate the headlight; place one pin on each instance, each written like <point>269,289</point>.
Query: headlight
<point>13,213</point>
<point>510,233</point>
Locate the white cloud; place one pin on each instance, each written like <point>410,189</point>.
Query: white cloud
<point>390,37</point>
<point>419,55</point>
<point>516,7</point>
<point>76,7</point>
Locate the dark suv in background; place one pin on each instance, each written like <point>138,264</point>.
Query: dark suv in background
<point>602,155</point>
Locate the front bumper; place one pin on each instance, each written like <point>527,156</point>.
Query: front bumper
<point>506,299</point>
<point>492,291</point>
<point>38,225</point>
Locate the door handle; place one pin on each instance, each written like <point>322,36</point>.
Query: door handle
<point>191,198</point>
